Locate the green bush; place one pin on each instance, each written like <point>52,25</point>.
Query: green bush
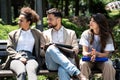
<point>116,33</point>
<point>72,26</point>
<point>5,29</point>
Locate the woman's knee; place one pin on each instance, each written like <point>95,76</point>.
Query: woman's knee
<point>32,65</point>
<point>84,64</point>
<point>17,66</point>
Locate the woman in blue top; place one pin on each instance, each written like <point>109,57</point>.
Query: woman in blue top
<point>97,42</point>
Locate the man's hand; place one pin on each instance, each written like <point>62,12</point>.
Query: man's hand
<point>47,45</point>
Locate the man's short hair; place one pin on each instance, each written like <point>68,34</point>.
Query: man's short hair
<point>55,12</point>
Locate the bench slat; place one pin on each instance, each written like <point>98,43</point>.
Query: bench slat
<point>46,72</point>
<point>3,53</point>
<point>4,73</point>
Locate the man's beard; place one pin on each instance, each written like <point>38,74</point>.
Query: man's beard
<point>52,26</point>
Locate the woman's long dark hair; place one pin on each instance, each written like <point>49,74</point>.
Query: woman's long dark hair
<point>104,30</point>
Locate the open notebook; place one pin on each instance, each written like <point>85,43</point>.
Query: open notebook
<point>97,59</point>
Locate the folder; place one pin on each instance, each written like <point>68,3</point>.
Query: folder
<point>97,59</point>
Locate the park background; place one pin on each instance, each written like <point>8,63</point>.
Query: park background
<point>76,15</point>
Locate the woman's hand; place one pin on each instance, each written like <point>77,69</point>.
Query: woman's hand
<point>24,60</point>
<point>17,56</point>
<point>93,58</point>
<point>93,52</point>
<point>93,55</point>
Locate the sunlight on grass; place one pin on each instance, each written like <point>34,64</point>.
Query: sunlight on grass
<point>42,77</point>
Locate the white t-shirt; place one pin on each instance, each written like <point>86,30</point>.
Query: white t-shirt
<point>26,41</point>
<point>85,40</point>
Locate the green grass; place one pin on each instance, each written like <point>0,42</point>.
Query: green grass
<point>42,77</point>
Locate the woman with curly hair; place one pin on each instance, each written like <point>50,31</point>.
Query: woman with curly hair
<point>24,45</point>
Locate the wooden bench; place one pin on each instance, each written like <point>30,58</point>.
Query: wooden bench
<point>9,73</point>
<point>3,56</point>
<point>6,73</point>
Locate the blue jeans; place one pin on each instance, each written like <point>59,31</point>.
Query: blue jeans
<point>55,60</point>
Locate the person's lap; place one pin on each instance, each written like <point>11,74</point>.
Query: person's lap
<point>19,67</point>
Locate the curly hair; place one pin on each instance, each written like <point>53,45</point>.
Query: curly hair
<point>29,14</point>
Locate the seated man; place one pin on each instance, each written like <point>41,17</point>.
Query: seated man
<point>55,59</point>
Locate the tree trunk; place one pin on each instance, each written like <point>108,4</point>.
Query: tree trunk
<point>76,7</point>
<point>6,11</point>
<point>66,7</point>
<point>45,7</point>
